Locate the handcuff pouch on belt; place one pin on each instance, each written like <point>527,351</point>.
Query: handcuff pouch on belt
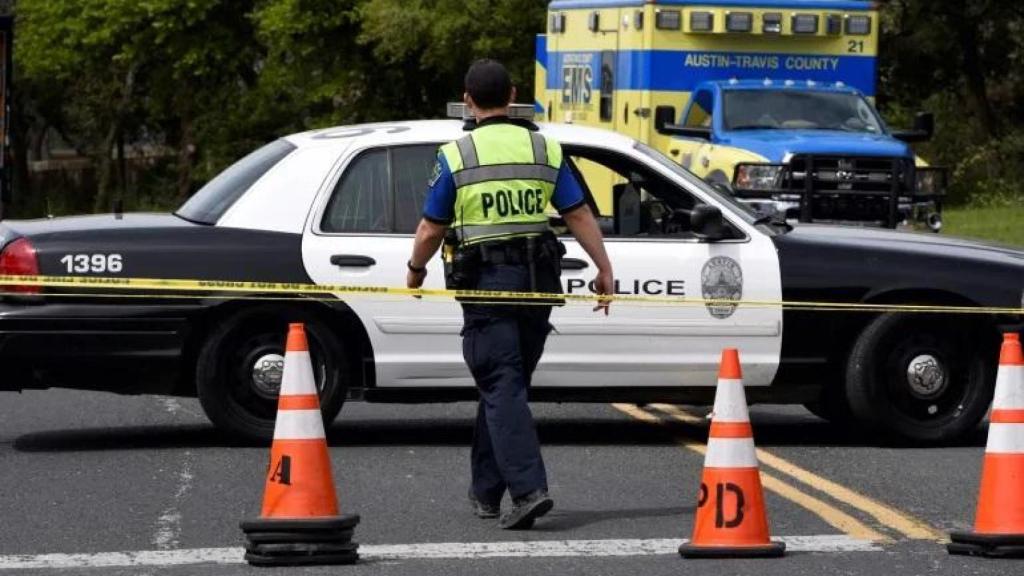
<point>541,254</point>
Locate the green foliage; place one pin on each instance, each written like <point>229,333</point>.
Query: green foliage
<point>1003,225</point>
<point>964,61</point>
<point>212,79</point>
<point>201,82</point>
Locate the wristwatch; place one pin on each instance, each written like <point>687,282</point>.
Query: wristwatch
<point>415,269</point>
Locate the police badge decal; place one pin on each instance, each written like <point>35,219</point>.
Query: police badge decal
<point>721,280</point>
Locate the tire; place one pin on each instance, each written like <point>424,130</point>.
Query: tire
<point>225,368</point>
<point>953,361</point>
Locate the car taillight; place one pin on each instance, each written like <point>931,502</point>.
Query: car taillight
<point>19,259</point>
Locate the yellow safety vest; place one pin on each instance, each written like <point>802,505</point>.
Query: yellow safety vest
<point>504,178</point>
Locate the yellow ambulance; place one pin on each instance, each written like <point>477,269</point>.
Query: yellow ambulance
<point>771,100</point>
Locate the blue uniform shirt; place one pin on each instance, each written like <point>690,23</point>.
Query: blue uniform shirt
<point>440,204</point>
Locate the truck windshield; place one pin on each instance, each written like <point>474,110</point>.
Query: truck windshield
<point>789,109</point>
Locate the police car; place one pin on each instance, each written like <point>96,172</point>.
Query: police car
<point>339,206</point>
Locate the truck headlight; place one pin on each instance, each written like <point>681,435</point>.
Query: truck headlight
<point>764,177</point>
<point>930,181</point>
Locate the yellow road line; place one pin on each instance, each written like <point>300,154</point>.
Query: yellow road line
<point>901,522</point>
<point>682,416</point>
<point>830,514</point>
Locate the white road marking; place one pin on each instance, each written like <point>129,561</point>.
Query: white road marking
<point>168,525</point>
<point>393,552</point>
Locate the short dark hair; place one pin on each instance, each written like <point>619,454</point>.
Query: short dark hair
<point>489,84</point>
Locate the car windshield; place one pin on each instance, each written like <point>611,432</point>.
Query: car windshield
<point>789,109</point>
<point>211,201</point>
<point>739,208</point>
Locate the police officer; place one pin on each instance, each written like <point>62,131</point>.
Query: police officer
<point>489,195</point>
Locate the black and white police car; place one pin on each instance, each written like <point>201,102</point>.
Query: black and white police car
<point>339,206</point>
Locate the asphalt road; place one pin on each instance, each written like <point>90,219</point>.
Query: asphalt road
<point>88,476</point>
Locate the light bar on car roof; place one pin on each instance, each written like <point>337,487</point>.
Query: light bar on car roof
<point>460,111</point>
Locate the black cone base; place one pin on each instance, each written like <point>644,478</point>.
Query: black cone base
<point>772,550</point>
<point>301,541</point>
<point>987,545</point>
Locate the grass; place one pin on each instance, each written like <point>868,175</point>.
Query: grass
<point>1004,225</point>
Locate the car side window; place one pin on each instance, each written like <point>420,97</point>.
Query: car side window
<point>700,113</point>
<point>410,169</point>
<point>382,191</point>
<point>635,201</point>
<point>361,199</point>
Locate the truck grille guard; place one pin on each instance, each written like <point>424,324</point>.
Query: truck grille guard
<point>851,188</point>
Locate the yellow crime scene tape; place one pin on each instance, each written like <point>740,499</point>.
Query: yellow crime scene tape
<point>97,286</point>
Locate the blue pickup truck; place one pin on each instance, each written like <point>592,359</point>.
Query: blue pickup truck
<point>806,151</point>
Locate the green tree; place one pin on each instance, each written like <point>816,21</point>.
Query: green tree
<point>364,60</point>
<point>145,71</point>
<point>964,61</point>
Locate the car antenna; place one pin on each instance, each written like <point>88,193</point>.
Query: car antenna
<point>118,209</point>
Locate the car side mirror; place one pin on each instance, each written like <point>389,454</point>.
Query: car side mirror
<point>923,130</point>
<point>707,223</point>
<point>664,116</point>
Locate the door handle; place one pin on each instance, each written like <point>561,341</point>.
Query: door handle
<point>352,261</point>
<point>574,264</point>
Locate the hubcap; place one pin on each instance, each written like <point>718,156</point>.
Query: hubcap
<point>926,376</point>
<point>266,375</point>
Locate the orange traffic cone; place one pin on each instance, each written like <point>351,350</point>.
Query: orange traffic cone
<point>299,523</point>
<point>999,522</point>
<point>731,519</point>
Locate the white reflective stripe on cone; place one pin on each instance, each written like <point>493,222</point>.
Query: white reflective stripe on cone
<point>730,402</point>
<point>1005,438</point>
<point>299,425</point>
<point>730,453</point>
<point>297,379</point>
<point>1009,388</point>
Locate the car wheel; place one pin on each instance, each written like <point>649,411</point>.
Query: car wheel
<point>922,378</point>
<point>238,371</point>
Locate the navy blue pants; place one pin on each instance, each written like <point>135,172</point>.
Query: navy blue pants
<point>502,345</point>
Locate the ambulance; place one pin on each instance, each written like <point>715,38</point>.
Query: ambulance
<point>768,100</point>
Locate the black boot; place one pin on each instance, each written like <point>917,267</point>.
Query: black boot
<point>527,509</point>
<point>482,510</point>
